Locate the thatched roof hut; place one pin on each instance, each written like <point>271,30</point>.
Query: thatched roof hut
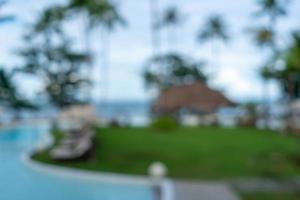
<point>197,98</point>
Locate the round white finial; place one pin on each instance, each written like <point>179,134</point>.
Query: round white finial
<point>157,170</point>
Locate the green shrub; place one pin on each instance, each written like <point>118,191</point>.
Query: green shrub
<point>164,123</point>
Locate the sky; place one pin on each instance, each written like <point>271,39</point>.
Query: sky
<point>238,61</point>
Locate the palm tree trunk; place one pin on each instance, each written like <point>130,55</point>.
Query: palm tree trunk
<point>213,60</point>
<point>171,41</point>
<point>155,33</point>
<point>108,66</point>
<point>268,99</point>
<point>87,34</point>
<point>175,38</point>
<point>105,63</point>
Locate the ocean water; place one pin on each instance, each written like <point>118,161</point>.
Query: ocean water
<point>134,113</point>
<point>138,113</point>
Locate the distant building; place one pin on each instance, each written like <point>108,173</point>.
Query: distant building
<point>192,104</point>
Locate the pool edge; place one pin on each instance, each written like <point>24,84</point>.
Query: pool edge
<point>166,185</point>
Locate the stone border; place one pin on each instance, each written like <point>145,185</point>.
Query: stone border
<point>84,175</point>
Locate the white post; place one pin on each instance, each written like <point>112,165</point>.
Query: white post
<point>157,172</point>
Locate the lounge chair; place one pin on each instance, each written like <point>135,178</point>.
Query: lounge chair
<point>74,145</point>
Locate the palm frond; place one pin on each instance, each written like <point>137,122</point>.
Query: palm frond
<point>214,28</point>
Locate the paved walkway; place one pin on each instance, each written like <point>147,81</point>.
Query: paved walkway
<point>203,191</point>
<point>265,185</point>
<point>227,190</point>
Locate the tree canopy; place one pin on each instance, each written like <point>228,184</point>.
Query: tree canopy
<point>215,28</point>
<point>173,69</point>
<point>288,74</point>
<point>55,62</point>
<point>100,12</point>
<point>9,96</point>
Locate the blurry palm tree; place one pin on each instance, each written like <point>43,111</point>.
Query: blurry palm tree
<point>266,37</point>
<point>49,55</point>
<point>5,18</point>
<point>105,15</point>
<point>273,9</point>
<point>180,70</point>
<point>77,7</point>
<point>288,74</point>
<point>59,67</point>
<point>49,23</point>
<point>154,12</point>
<point>10,96</point>
<point>263,37</point>
<point>171,19</point>
<point>214,30</point>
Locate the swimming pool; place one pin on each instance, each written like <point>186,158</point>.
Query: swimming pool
<point>20,182</point>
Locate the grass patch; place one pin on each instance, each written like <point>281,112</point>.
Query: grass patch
<point>192,153</point>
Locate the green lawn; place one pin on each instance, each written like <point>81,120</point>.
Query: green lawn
<point>193,153</point>
<point>271,196</point>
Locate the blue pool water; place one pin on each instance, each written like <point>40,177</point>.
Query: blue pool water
<point>20,182</point>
